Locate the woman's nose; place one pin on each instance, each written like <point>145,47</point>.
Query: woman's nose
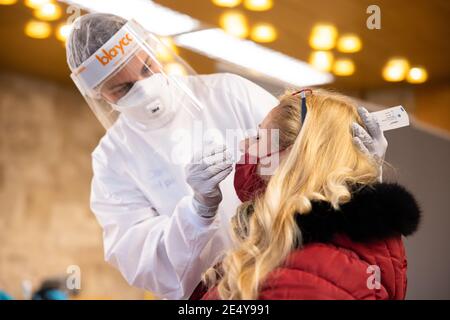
<point>246,143</point>
<point>243,145</point>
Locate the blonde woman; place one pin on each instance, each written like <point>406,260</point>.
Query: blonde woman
<point>323,227</point>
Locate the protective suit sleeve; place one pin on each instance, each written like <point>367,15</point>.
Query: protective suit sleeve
<point>154,252</point>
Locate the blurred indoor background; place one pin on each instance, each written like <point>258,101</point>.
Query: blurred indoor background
<point>47,131</point>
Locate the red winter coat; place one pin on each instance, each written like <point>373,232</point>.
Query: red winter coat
<point>354,253</point>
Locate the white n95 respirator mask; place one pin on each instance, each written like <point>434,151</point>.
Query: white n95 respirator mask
<point>149,103</point>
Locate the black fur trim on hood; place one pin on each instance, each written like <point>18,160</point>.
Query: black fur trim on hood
<point>374,213</point>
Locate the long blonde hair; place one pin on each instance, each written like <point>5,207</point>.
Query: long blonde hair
<point>322,164</point>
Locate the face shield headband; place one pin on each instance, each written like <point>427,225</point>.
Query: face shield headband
<point>108,59</point>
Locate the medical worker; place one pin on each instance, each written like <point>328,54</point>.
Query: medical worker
<point>157,170</point>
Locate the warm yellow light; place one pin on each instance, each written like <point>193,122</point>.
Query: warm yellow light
<point>321,60</point>
<point>343,67</point>
<point>175,69</point>
<point>167,49</point>
<point>38,29</point>
<point>258,5</point>
<point>227,3</point>
<point>264,32</point>
<point>417,75</point>
<point>7,2</point>
<point>323,37</point>
<point>349,43</point>
<point>48,12</point>
<point>34,4</point>
<point>63,32</point>
<point>234,23</point>
<point>396,70</point>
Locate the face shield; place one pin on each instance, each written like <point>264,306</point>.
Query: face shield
<point>136,76</point>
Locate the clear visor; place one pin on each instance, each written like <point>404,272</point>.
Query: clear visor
<point>137,76</point>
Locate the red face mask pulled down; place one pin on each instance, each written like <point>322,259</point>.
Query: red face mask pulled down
<point>247,183</point>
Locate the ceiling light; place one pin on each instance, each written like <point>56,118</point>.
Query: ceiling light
<point>63,32</point>
<point>258,5</point>
<point>263,32</point>
<point>321,60</point>
<point>34,4</point>
<point>214,43</point>
<point>167,50</point>
<point>323,37</point>
<point>343,67</point>
<point>155,18</point>
<point>227,3</point>
<point>48,12</point>
<point>248,55</point>
<point>395,70</point>
<point>7,2</point>
<point>234,23</point>
<point>417,75</point>
<point>349,43</point>
<point>38,29</point>
<point>175,69</point>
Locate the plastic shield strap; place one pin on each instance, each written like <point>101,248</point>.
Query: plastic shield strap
<point>137,76</point>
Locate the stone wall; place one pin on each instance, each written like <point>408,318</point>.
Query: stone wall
<point>47,133</point>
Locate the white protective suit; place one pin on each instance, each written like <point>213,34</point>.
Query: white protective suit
<point>142,201</point>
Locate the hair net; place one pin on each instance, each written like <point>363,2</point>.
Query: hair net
<point>90,33</point>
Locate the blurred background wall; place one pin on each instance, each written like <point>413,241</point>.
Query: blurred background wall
<point>46,136</point>
<point>420,161</point>
<point>47,131</point>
